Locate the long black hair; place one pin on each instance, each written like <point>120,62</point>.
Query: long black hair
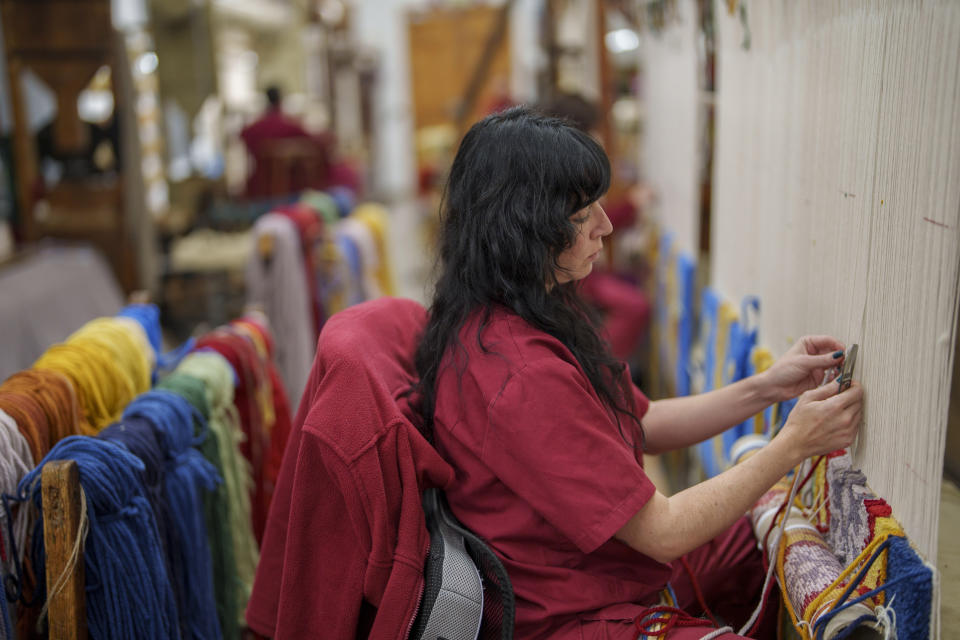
<point>517,179</point>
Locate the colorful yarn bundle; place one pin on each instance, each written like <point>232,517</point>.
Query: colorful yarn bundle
<point>55,396</point>
<point>251,395</point>
<point>128,594</point>
<point>171,495</point>
<point>140,438</point>
<point>187,475</point>
<point>206,380</point>
<point>108,363</point>
<point>30,419</point>
<point>376,218</point>
<point>279,419</point>
<point>14,464</point>
<point>215,372</point>
<point>861,571</point>
<point>148,316</point>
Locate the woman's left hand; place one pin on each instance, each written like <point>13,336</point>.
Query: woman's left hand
<point>802,367</point>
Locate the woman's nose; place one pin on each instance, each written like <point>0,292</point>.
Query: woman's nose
<point>604,226</point>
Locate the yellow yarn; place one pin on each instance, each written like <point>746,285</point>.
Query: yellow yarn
<point>264,390</point>
<point>107,365</point>
<point>375,217</point>
<point>762,359</point>
<point>826,600</point>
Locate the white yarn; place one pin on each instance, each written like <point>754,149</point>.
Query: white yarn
<point>887,619</point>
<point>716,633</point>
<point>16,461</point>
<point>279,286</point>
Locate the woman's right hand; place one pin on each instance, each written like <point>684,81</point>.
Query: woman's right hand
<point>824,420</point>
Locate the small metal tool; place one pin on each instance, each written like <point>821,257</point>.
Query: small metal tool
<point>846,374</point>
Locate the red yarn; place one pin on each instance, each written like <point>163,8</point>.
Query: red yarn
<point>878,508</point>
<point>242,355</point>
<point>676,618</point>
<point>698,593</point>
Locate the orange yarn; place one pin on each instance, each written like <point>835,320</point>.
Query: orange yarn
<point>31,421</point>
<point>55,395</point>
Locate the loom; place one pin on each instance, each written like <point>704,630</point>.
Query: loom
<point>835,204</point>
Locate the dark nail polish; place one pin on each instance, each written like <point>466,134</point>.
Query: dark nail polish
<point>837,354</point>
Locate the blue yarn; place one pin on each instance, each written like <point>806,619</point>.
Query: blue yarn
<point>673,594</point>
<point>686,282</point>
<point>187,472</point>
<point>140,438</point>
<point>6,627</point>
<point>127,588</point>
<point>148,315</point>
<point>743,338</point>
<point>911,602</point>
<point>344,197</point>
<point>351,254</point>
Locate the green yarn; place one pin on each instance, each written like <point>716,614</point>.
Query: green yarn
<point>224,423</point>
<point>215,504</point>
<point>205,379</point>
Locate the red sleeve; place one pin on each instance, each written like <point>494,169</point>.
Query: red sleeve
<point>553,443</point>
<point>641,402</point>
<point>322,579</point>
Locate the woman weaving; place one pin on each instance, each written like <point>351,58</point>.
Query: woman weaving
<point>544,427</point>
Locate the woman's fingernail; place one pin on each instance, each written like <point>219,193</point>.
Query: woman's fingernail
<point>837,354</point>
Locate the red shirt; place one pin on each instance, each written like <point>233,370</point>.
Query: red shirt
<point>544,476</point>
<point>272,125</point>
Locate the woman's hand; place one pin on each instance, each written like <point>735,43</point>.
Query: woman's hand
<point>824,420</point>
<point>802,367</point>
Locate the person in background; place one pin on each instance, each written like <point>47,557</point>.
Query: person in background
<point>546,431</point>
<point>258,135</point>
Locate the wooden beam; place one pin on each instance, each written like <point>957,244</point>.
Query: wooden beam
<point>66,612</point>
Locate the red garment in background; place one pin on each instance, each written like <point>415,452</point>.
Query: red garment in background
<point>624,308</point>
<point>272,125</point>
<point>346,540</point>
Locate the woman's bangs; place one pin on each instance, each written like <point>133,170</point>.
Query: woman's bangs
<point>589,172</point>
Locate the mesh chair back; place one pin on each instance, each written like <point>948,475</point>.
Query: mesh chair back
<point>498,603</point>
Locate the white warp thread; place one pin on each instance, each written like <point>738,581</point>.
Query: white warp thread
<point>837,202</point>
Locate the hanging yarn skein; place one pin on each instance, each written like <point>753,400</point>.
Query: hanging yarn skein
<point>249,399</point>
<point>16,461</point>
<point>128,592</point>
<point>54,394</point>
<point>108,363</point>
<point>148,315</point>
<point>216,374</point>
<point>229,531</point>
<point>187,474</point>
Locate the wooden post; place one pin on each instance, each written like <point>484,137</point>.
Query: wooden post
<point>67,612</point>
